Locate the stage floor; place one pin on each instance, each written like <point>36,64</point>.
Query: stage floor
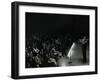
<point>74,56</point>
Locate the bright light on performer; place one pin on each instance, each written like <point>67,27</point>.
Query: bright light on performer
<point>65,61</point>
<point>70,53</point>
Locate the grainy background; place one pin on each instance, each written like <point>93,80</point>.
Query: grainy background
<point>5,40</point>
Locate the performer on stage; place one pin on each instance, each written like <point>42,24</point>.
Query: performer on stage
<point>84,47</point>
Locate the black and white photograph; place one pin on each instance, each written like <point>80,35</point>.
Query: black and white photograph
<point>50,40</point>
<point>54,40</point>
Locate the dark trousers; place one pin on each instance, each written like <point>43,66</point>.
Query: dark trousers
<point>84,46</point>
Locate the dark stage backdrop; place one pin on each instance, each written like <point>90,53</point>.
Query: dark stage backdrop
<point>74,25</point>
